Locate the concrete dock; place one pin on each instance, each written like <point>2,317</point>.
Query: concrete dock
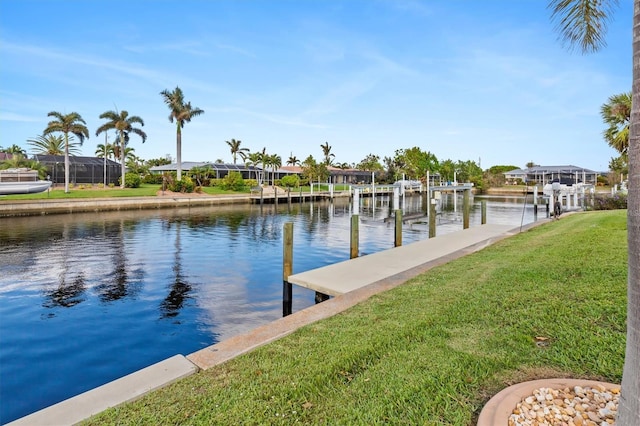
<point>352,274</point>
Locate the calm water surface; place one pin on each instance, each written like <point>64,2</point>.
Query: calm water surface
<point>88,298</point>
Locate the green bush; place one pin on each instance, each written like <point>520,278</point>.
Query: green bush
<point>184,185</point>
<point>609,202</point>
<point>152,179</point>
<point>290,181</point>
<point>132,180</point>
<point>233,182</point>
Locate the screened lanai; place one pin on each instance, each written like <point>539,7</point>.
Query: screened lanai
<point>82,170</point>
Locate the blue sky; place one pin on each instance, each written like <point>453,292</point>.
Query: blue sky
<point>484,81</point>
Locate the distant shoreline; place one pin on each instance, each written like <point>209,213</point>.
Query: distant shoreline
<point>82,205</point>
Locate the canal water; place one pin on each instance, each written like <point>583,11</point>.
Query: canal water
<point>88,298</point>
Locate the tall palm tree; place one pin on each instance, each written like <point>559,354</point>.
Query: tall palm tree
<point>65,124</point>
<point>293,160</point>
<point>124,126</point>
<point>236,150</point>
<point>264,157</point>
<point>583,23</point>
<point>181,113</point>
<point>254,159</point>
<point>617,114</point>
<point>275,161</point>
<point>326,151</point>
<point>52,145</point>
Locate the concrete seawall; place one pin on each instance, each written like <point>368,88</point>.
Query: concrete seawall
<point>77,205</point>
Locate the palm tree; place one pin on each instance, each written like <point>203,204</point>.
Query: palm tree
<point>254,159</point>
<point>14,149</point>
<point>236,150</point>
<point>293,160</point>
<point>117,151</point>
<point>67,123</point>
<point>123,125</point>
<point>104,150</point>
<point>326,151</point>
<point>52,145</point>
<point>617,114</point>
<point>182,113</point>
<point>583,23</point>
<point>275,161</point>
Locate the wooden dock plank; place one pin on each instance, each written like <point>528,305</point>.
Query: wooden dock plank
<point>352,274</point>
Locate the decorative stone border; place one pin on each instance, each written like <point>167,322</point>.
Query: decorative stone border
<point>497,411</point>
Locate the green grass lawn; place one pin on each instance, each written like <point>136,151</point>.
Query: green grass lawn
<point>145,190</point>
<point>434,350</point>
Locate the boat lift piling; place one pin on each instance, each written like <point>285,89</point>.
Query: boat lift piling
<point>397,241</point>
<point>287,269</point>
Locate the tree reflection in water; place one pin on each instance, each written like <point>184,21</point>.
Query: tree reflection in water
<point>180,289</point>
<point>67,293</point>
<point>119,283</point>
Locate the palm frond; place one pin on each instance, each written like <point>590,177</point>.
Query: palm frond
<point>582,23</point>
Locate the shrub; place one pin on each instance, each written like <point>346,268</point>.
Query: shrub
<point>153,179</point>
<point>608,202</point>
<point>233,182</point>
<point>184,185</point>
<point>132,180</point>
<point>290,181</point>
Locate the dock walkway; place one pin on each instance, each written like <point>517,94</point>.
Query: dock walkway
<point>352,274</point>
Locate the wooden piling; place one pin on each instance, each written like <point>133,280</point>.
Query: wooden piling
<point>355,223</point>
<point>432,218</point>
<point>483,205</point>
<point>287,269</point>
<point>466,209</point>
<point>397,242</point>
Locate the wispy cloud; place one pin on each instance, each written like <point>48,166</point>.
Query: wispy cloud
<point>10,116</point>
<point>273,118</point>
<point>77,58</point>
<point>189,47</point>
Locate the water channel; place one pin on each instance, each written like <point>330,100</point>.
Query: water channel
<point>88,298</point>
